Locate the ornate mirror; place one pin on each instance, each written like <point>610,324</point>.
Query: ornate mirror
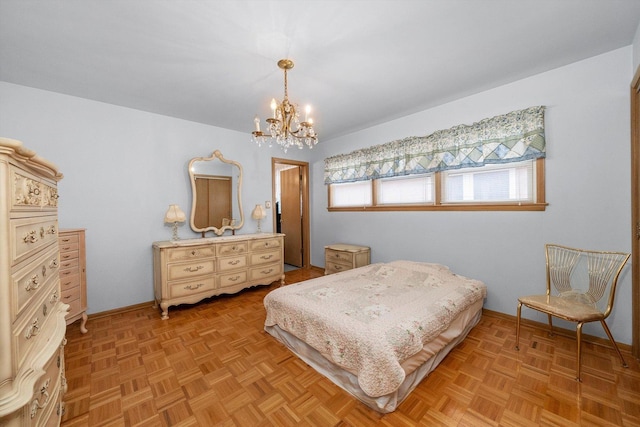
<point>216,186</point>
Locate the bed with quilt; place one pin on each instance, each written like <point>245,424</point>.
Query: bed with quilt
<point>376,331</point>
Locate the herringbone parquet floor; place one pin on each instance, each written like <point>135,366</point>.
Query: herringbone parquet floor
<point>212,364</point>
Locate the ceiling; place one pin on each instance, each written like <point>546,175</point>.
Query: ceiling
<point>358,63</point>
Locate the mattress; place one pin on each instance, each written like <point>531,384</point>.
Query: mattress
<point>376,331</point>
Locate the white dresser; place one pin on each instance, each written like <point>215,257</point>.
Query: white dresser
<point>32,315</point>
<point>187,271</point>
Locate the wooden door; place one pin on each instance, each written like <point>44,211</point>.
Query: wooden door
<point>291,215</point>
<point>214,200</point>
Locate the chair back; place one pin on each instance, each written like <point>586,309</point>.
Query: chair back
<point>584,276</point>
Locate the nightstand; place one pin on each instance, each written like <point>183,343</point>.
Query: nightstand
<point>341,257</point>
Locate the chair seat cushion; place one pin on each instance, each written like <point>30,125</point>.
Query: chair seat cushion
<point>564,308</point>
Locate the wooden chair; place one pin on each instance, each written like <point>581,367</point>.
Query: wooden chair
<point>581,287</point>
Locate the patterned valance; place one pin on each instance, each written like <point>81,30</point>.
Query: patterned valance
<point>512,137</point>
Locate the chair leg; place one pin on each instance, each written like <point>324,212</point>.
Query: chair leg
<point>579,355</point>
<point>518,326</point>
<point>550,325</point>
<point>606,329</point>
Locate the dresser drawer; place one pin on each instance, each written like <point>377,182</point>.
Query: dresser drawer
<point>31,325</point>
<point>265,257</point>
<point>232,263</point>
<point>335,267</point>
<point>257,245</point>
<point>182,254</point>
<point>72,298</point>
<point>232,248</point>
<point>70,264</point>
<point>233,279</point>
<point>31,193</point>
<point>338,256</point>
<point>68,238</point>
<point>30,235</point>
<point>71,248</point>
<point>69,255</point>
<point>33,278</point>
<point>184,270</point>
<point>46,393</point>
<point>69,279</point>
<point>265,271</point>
<point>192,287</point>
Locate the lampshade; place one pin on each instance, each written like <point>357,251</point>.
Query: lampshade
<point>174,214</point>
<point>258,212</point>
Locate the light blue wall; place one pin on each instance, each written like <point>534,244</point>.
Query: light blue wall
<point>587,184</point>
<point>124,167</point>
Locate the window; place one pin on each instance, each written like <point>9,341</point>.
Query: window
<point>405,190</point>
<point>350,194</point>
<point>509,186</point>
<point>511,182</point>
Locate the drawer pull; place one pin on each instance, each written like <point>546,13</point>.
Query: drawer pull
<point>267,271</point>
<point>54,297</point>
<point>31,237</point>
<point>44,270</point>
<point>193,288</point>
<point>32,284</point>
<point>44,392</point>
<point>266,256</point>
<point>51,229</point>
<point>234,279</point>
<point>66,240</point>
<point>54,263</point>
<point>234,262</point>
<point>338,267</point>
<point>33,329</point>
<point>66,248</point>
<point>193,270</point>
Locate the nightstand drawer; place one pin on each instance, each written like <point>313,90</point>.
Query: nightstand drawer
<point>342,257</point>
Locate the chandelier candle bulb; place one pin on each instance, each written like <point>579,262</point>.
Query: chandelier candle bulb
<point>257,122</point>
<point>274,105</point>
<point>307,110</point>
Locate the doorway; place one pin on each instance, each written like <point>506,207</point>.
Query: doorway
<point>635,214</point>
<point>290,184</point>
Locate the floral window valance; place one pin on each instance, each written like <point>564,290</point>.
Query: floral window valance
<point>512,137</point>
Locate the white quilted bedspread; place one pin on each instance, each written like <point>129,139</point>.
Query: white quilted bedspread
<point>369,320</point>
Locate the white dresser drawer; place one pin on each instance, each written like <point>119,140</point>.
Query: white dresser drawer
<point>30,235</point>
<point>265,271</point>
<point>33,278</point>
<point>31,193</point>
<point>235,248</point>
<point>184,270</point>
<point>232,263</point>
<point>257,245</point>
<point>192,287</point>
<point>42,406</point>
<point>265,257</point>
<point>233,279</point>
<point>186,253</point>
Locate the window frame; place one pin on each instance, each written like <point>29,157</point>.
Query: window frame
<point>539,204</point>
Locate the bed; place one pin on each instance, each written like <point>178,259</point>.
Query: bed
<point>376,331</point>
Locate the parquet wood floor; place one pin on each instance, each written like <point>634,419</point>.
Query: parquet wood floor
<point>212,364</point>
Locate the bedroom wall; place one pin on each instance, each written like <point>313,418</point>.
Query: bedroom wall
<point>587,184</point>
<point>122,168</point>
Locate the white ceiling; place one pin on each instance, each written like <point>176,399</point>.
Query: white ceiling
<point>358,63</point>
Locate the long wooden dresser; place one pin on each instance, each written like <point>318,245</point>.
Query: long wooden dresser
<point>32,315</point>
<point>187,271</point>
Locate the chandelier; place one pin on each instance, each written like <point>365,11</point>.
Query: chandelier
<point>284,126</point>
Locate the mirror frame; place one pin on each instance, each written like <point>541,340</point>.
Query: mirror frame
<point>216,155</point>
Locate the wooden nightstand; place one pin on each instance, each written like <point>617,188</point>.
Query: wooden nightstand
<point>340,257</point>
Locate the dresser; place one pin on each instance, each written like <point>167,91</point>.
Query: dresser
<point>340,257</point>
<point>187,271</point>
<point>32,315</point>
<point>73,274</point>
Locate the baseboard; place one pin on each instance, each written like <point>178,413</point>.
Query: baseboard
<point>120,310</point>
<point>556,330</point>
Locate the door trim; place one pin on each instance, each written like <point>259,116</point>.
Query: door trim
<point>306,229</point>
<point>635,213</point>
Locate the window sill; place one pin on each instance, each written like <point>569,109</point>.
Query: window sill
<point>447,207</point>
